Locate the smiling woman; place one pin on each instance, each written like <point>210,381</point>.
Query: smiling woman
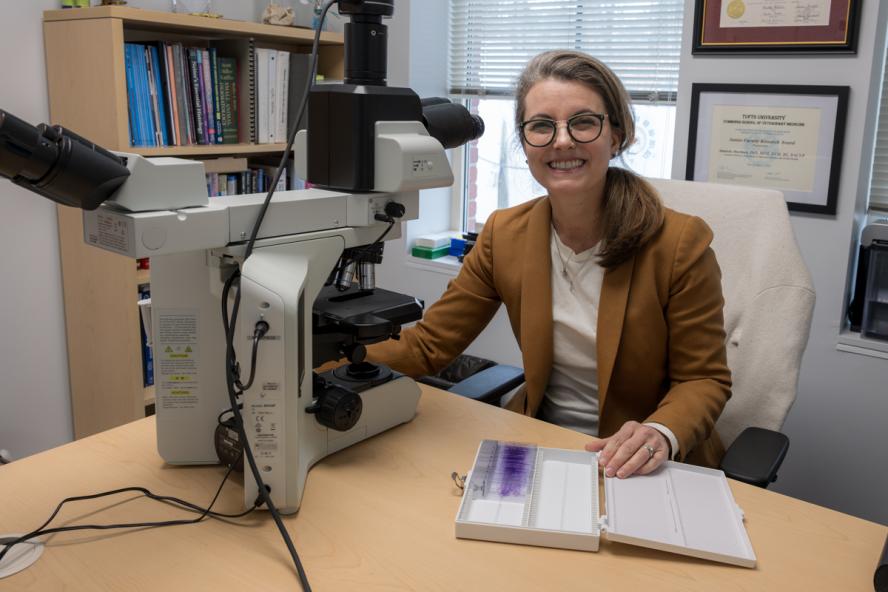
<point>615,300</point>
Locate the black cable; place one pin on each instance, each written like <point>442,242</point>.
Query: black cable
<point>230,322</point>
<point>219,417</point>
<point>174,501</point>
<point>259,332</point>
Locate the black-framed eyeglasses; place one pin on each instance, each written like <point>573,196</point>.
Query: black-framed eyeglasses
<point>582,128</point>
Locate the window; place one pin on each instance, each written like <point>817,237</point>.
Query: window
<point>492,40</point>
<point>878,198</point>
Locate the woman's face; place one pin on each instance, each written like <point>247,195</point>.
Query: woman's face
<point>565,166</point>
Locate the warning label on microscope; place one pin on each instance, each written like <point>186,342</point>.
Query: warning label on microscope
<point>176,359</point>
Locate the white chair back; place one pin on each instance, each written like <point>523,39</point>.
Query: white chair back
<point>769,296</point>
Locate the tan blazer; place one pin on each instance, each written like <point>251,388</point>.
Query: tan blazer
<point>661,354</point>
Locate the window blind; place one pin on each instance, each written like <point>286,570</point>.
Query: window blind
<point>879,183</point>
<point>492,40</point>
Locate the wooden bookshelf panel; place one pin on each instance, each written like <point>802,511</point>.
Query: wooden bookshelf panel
<point>197,150</point>
<point>164,22</point>
<point>82,58</point>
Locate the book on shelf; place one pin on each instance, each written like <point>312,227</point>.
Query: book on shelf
<point>183,95</point>
<point>206,97</point>
<point>197,95</point>
<point>132,112</point>
<point>228,92</point>
<point>169,81</point>
<point>228,113</point>
<point>216,97</point>
<point>254,179</point>
<point>158,101</point>
<point>137,93</point>
<point>175,95</point>
<point>144,303</point>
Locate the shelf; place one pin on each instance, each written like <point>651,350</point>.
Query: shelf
<point>855,343</point>
<point>216,27</point>
<point>209,150</point>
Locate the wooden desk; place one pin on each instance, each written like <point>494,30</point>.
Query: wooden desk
<point>379,516</point>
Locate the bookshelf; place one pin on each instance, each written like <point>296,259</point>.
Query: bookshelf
<point>86,79</point>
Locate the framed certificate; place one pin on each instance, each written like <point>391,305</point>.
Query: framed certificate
<point>776,26</point>
<point>776,136</point>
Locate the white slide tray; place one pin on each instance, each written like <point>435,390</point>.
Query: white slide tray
<point>519,493</point>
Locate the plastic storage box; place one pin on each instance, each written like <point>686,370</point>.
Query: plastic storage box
<point>519,493</point>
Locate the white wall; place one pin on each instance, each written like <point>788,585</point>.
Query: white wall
<point>838,427</point>
<point>35,409</point>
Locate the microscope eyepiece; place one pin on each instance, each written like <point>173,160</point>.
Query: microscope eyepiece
<point>58,164</point>
<point>450,123</point>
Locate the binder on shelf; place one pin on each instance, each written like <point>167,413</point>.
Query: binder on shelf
<point>244,52</point>
<point>263,94</point>
<point>280,96</point>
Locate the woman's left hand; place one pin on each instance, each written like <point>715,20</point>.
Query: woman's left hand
<point>636,448</point>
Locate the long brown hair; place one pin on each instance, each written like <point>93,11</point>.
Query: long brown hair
<point>632,210</point>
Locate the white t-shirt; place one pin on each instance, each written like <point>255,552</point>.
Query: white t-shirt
<point>571,399</point>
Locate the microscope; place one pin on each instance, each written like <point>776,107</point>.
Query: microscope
<point>306,284</point>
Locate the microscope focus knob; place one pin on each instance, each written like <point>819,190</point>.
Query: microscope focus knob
<point>339,408</point>
<point>356,352</point>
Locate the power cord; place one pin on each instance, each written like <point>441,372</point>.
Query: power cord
<point>230,322</point>
<point>169,500</point>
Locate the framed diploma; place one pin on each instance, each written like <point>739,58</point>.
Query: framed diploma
<point>781,137</point>
<point>776,26</point>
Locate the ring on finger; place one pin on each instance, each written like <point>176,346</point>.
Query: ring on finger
<point>650,450</point>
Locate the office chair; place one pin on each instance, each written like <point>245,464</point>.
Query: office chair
<point>769,302</point>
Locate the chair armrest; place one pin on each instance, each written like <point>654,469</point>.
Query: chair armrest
<point>490,384</point>
<point>435,381</point>
<point>755,456</point>
<point>880,578</point>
